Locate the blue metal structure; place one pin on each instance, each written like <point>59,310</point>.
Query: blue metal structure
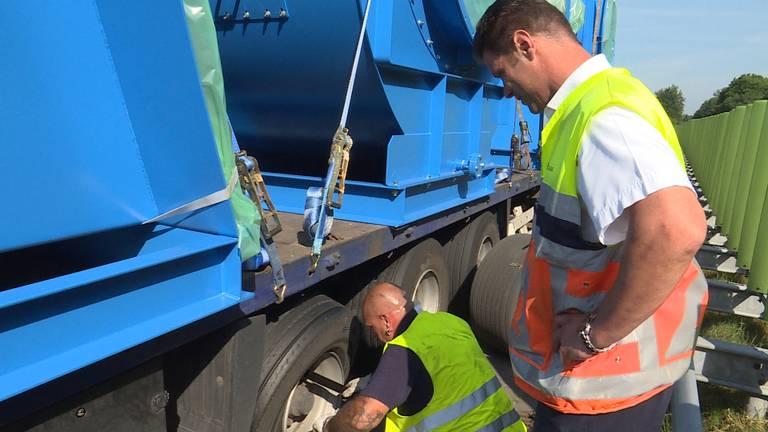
<point>424,114</point>
<point>103,127</point>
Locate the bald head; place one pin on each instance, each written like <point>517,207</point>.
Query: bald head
<point>383,309</point>
<point>384,297</point>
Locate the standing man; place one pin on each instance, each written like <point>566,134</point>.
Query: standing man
<point>611,297</point>
<point>433,376</point>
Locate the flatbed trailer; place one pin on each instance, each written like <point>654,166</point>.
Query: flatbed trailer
<point>131,299</point>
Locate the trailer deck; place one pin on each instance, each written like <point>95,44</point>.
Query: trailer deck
<point>358,242</point>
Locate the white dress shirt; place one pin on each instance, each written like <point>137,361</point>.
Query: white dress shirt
<point>622,160</point>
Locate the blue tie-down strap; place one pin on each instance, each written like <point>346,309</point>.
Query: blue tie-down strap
<point>312,208</point>
<point>258,261</point>
<point>502,175</point>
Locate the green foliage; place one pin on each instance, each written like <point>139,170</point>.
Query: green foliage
<point>672,100</point>
<point>741,91</point>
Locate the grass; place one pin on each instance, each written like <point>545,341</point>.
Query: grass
<point>735,329</point>
<point>723,409</point>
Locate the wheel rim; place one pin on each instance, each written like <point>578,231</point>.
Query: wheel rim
<point>304,406</point>
<point>485,247</point>
<point>427,292</point>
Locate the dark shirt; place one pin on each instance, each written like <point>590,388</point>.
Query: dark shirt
<point>401,380</point>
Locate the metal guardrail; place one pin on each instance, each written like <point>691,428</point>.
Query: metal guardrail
<point>732,365</point>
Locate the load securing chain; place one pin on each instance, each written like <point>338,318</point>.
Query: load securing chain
<point>333,187</point>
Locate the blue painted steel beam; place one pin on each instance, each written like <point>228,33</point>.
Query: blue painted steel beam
<point>422,106</point>
<point>103,126</point>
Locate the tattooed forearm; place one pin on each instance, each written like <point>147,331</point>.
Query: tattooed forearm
<point>358,415</point>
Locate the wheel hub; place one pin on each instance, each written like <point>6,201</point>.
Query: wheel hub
<point>427,292</point>
<point>485,247</point>
<point>309,403</point>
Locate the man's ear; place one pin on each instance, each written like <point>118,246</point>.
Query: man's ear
<point>524,43</point>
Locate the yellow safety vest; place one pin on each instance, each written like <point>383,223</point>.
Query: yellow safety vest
<point>564,271</point>
<point>467,396</point>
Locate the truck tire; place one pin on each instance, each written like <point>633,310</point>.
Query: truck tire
<point>313,336</point>
<point>424,276</point>
<point>464,252</point>
<point>495,291</point>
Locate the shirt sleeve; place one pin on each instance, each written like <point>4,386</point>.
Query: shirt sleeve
<point>390,383</point>
<point>622,160</point>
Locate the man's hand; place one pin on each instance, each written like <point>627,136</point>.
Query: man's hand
<point>567,340</point>
<point>356,386</point>
<point>361,414</point>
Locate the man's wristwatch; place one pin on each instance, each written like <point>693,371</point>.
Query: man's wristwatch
<point>585,336</point>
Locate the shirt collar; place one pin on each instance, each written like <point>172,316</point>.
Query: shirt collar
<point>582,73</point>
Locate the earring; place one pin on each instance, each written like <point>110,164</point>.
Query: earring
<point>388,332</point>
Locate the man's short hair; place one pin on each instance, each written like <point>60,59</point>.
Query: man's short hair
<point>504,17</point>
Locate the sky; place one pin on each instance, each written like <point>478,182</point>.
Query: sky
<point>699,45</point>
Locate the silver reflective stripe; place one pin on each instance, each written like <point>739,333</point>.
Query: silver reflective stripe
<point>458,409</point>
<point>501,423</point>
<point>559,205</point>
<point>684,336</point>
<point>206,201</point>
<point>606,387</point>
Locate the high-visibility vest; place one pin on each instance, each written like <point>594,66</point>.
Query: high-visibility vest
<point>564,271</point>
<point>466,395</point>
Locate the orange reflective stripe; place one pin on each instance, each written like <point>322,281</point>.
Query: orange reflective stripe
<point>600,406</point>
<point>584,283</point>
<point>703,308</point>
<point>669,316</point>
<point>623,359</point>
<point>538,306</point>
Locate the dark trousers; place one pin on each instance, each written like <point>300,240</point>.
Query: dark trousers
<point>647,416</point>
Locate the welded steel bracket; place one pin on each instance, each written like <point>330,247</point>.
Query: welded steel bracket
<point>718,258</point>
<point>735,299</point>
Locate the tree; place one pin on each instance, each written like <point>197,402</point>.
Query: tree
<point>672,100</point>
<point>742,90</point>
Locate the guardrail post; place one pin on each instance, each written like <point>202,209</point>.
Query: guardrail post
<point>686,412</point>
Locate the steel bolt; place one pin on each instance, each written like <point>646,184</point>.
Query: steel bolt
<point>246,15</point>
<point>226,17</point>
<point>429,42</point>
<point>80,412</point>
<point>283,13</point>
<point>267,13</point>
<point>420,22</point>
<point>159,401</point>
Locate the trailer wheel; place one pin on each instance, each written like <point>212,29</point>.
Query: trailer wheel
<point>423,274</point>
<point>495,290</point>
<point>312,337</point>
<point>464,252</point>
